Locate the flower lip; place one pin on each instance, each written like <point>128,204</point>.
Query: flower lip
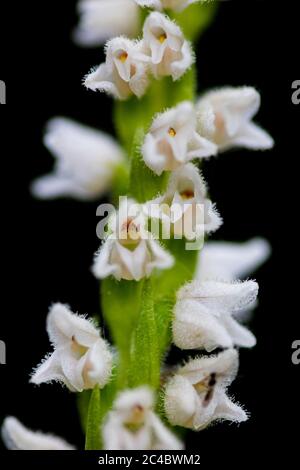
<point>123,56</point>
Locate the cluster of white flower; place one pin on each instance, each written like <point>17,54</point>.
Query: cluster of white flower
<point>175,138</point>
<point>163,51</point>
<point>207,309</point>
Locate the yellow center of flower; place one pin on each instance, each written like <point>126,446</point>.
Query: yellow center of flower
<point>162,37</point>
<point>172,132</point>
<point>123,57</point>
<point>187,194</point>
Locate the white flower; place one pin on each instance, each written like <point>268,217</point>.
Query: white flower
<point>203,315</point>
<point>169,52</point>
<point>16,437</point>
<point>225,117</point>
<point>230,261</point>
<point>177,5</point>
<point>125,71</point>
<point>86,160</point>
<point>81,358</point>
<point>101,20</point>
<point>130,252</point>
<point>133,425</point>
<point>196,395</point>
<point>172,140</point>
<point>185,207</point>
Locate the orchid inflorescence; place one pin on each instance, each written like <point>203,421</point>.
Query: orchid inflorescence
<point>155,292</point>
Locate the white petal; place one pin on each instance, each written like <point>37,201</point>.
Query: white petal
<point>102,266</point>
<point>140,81</point>
<point>153,158</point>
<point>240,335</point>
<point>50,370</point>
<point>179,67</point>
<point>231,261</point>
<point>98,364</point>
<point>160,258</point>
<point>225,365</point>
<point>220,297</point>
<point>253,137</point>
<point>201,147</point>
<point>213,220</point>
<point>230,411</point>
<point>17,437</point>
<point>180,401</point>
<point>64,326</point>
<point>240,104</point>
<point>103,19</point>
<point>85,161</point>
<point>102,79</point>
<point>163,438</point>
<point>195,328</point>
<point>72,367</point>
<point>54,186</point>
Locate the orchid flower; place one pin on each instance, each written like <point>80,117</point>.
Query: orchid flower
<point>196,395</point>
<point>81,358</point>
<point>185,206</point>
<point>231,111</point>
<point>130,251</point>
<point>86,161</point>
<point>133,425</point>
<point>169,52</point>
<point>125,71</point>
<point>172,140</point>
<point>204,315</point>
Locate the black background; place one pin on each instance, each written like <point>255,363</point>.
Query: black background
<point>47,247</point>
